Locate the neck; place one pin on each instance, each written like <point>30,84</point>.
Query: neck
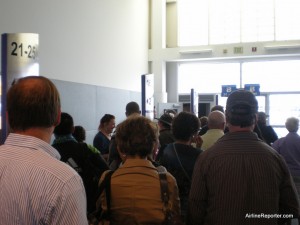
<point>183,142</point>
<point>38,132</point>
<point>239,129</point>
<point>135,157</point>
<point>105,133</point>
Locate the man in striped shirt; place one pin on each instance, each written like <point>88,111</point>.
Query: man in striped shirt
<point>241,180</point>
<point>35,187</point>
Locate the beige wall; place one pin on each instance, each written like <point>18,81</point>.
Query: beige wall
<point>96,42</point>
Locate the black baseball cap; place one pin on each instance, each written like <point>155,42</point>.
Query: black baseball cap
<point>242,102</point>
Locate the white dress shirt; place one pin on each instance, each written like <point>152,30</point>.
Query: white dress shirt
<point>35,187</point>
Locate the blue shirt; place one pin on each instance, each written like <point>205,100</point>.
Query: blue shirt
<point>36,188</point>
<point>101,142</point>
<point>289,148</point>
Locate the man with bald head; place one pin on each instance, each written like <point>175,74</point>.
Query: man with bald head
<point>216,126</point>
<point>37,188</point>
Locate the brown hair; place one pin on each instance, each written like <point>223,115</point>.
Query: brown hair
<point>32,101</point>
<point>136,135</point>
<point>105,119</point>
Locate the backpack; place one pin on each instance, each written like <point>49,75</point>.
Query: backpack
<point>99,217</point>
<point>93,167</point>
<point>87,164</point>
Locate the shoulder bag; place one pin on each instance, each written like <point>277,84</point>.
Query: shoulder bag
<point>170,218</point>
<point>99,216</point>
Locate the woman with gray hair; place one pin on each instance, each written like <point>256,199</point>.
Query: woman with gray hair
<point>289,148</point>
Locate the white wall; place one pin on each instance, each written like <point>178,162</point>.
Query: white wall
<point>99,42</point>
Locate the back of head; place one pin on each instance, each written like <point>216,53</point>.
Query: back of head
<point>262,118</point>
<point>216,120</point>
<point>33,102</point>
<point>217,107</point>
<point>131,108</point>
<point>166,120</point>
<point>66,125</point>
<point>292,124</point>
<point>241,108</point>
<point>185,125</point>
<point>79,133</point>
<point>136,136</point>
<point>203,120</point>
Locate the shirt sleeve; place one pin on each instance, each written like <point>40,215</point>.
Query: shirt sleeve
<point>70,205</point>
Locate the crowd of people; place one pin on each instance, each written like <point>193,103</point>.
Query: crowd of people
<point>233,170</point>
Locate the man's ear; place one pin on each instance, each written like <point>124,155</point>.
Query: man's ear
<point>57,122</point>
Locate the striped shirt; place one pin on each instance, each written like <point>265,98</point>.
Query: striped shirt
<point>241,180</point>
<point>35,187</point>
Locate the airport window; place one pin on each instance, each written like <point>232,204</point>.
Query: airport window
<point>273,76</point>
<point>280,92</point>
<point>207,78</point>
<point>208,22</point>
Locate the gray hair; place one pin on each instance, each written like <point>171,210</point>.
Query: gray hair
<point>292,124</point>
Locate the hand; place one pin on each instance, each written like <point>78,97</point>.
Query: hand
<point>198,141</point>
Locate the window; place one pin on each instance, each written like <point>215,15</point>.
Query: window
<point>207,78</point>
<point>280,91</point>
<point>208,22</point>
<point>190,34</point>
<point>273,76</point>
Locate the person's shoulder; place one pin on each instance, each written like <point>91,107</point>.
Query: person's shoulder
<point>192,149</point>
<point>168,148</point>
<point>279,141</point>
<point>60,169</point>
<point>271,153</point>
<point>98,135</point>
<point>51,168</point>
<point>163,170</point>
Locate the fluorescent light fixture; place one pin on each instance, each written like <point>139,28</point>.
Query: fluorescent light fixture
<point>200,51</point>
<point>278,47</point>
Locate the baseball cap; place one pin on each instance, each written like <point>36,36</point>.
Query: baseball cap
<point>166,119</point>
<point>242,102</point>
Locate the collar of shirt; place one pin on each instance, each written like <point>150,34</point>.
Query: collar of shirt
<point>240,135</point>
<point>31,142</point>
<point>218,131</point>
<point>138,163</point>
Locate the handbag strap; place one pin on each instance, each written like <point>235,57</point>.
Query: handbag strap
<point>108,191</point>
<point>184,171</point>
<point>105,185</point>
<point>163,185</point>
<point>170,218</point>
